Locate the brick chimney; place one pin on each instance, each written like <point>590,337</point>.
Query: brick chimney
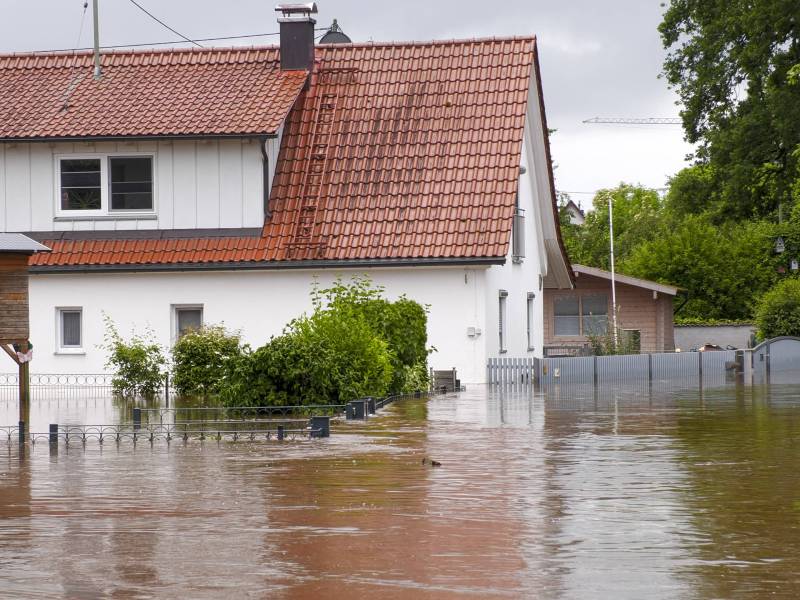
<point>297,35</point>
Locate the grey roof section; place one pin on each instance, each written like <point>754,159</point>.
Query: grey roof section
<point>16,242</point>
<point>670,290</point>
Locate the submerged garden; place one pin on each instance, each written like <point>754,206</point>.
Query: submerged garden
<point>354,343</point>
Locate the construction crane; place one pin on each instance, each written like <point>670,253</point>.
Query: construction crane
<point>626,121</point>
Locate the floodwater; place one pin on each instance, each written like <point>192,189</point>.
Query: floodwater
<point>574,493</point>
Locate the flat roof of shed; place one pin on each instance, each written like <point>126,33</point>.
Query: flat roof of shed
<point>16,242</point>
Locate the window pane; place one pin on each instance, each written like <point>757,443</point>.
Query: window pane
<point>530,320</point>
<point>189,319</point>
<point>71,328</point>
<point>80,184</point>
<point>567,326</point>
<point>595,325</point>
<point>502,322</point>
<point>595,305</point>
<point>566,306</point>
<point>131,183</point>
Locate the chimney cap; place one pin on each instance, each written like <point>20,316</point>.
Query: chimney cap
<point>306,8</point>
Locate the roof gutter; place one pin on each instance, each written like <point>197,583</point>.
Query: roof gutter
<point>271,265</point>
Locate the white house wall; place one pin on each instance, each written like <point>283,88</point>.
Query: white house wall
<point>197,184</point>
<point>518,280</point>
<point>259,303</point>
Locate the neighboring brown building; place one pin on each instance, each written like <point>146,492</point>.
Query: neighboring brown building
<point>570,316</point>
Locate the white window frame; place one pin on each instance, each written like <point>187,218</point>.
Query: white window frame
<point>105,185</point>
<point>60,347</point>
<point>502,320</point>
<point>176,308</point>
<point>529,310</point>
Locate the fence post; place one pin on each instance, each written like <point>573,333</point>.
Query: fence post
<point>53,434</point>
<point>281,433</point>
<point>22,433</point>
<point>166,388</point>
<point>137,418</point>
<point>700,368</point>
<point>594,374</point>
<point>649,367</point>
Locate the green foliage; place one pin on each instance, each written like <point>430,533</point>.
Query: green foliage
<point>702,322</point>
<point>201,360</point>
<point>604,344</point>
<point>354,344</point>
<point>638,215</point>
<point>778,313</point>
<point>137,363</point>
<point>724,269</point>
<point>734,65</point>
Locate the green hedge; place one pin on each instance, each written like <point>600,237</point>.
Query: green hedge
<point>201,360</point>
<point>778,312</point>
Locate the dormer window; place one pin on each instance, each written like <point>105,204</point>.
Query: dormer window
<point>105,185</point>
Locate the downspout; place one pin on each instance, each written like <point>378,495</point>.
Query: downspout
<point>265,176</point>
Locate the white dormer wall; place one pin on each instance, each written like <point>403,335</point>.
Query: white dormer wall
<point>198,184</point>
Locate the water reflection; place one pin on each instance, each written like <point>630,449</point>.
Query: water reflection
<point>576,493</point>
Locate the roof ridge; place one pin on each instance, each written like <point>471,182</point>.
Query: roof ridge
<point>260,48</point>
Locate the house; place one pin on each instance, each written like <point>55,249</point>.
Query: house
<point>644,311</point>
<point>199,186</point>
<point>575,212</point>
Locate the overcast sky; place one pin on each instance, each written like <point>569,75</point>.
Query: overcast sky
<point>598,58</point>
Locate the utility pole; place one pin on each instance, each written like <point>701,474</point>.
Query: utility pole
<point>97,70</point>
<point>613,277</point>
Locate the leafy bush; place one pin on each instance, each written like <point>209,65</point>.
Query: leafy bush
<point>137,363</point>
<point>354,344</point>
<point>778,312</point>
<point>201,359</point>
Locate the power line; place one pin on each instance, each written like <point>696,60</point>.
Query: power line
<point>156,19</point>
<point>141,45</point>
<point>634,121</point>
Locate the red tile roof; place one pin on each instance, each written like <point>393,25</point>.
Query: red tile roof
<point>145,93</point>
<point>416,156</point>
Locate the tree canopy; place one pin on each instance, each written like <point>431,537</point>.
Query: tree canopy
<point>734,65</point>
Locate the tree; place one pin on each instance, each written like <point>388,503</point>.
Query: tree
<point>637,216</point>
<point>734,65</point>
<point>725,269</point>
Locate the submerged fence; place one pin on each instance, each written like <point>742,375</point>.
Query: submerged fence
<point>58,386</point>
<point>774,361</point>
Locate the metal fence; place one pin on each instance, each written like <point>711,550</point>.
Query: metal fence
<point>690,368</point>
<point>774,361</point>
<point>58,386</point>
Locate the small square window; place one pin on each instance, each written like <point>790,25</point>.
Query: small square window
<point>70,328</point>
<point>187,318</point>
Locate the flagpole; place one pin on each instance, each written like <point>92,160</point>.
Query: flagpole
<point>613,276</point>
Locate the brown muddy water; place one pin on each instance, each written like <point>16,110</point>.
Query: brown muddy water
<point>574,493</point>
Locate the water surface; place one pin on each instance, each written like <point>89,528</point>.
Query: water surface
<point>572,493</point>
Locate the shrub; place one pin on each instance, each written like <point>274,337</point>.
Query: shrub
<point>328,357</point>
<point>355,343</point>
<point>137,363</point>
<point>201,360</point>
<point>778,312</point>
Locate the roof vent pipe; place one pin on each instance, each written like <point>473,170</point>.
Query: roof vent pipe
<point>297,36</point>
